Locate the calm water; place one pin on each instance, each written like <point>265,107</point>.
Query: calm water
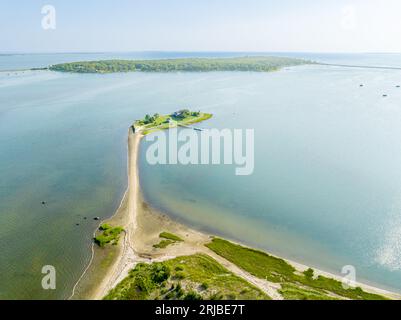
<point>326,188</point>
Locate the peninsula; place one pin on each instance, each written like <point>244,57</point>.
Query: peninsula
<point>159,258</point>
<point>257,64</point>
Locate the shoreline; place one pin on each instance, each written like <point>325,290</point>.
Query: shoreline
<point>143,224</point>
<point>128,208</point>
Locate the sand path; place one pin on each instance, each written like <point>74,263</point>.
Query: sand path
<point>142,228</point>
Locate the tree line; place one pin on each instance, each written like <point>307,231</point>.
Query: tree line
<point>259,64</point>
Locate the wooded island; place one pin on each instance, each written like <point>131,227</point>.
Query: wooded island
<point>258,64</point>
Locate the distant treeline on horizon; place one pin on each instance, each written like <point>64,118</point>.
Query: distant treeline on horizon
<point>259,64</point>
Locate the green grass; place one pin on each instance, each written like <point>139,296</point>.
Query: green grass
<point>140,283</point>
<point>292,292</point>
<point>256,64</point>
<point>160,122</point>
<point>336,287</point>
<point>192,277</point>
<point>163,244</point>
<point>108,235</point>
<point>277,270</point>
<point>212,278</point>
<point>170,236</point>
<point>255,262</point>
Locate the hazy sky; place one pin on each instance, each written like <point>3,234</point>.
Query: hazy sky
<point>203,25</point>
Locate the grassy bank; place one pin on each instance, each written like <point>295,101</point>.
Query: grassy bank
<point>294,285</point>
<point>192,277</point>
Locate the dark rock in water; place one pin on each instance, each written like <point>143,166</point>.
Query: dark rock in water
<point>77,224</point>
<point>43,202</point>
<point>84,218</point>
<point>96,218</point>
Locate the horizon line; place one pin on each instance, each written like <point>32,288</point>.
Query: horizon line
<point>187,51</point>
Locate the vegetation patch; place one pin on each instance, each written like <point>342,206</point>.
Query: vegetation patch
<point>168,239</point>
<point>334,286</point>
<point>193,277</point>
<point>163,244</point>
<point>141,282</point>
<point>108,235</point>
<point>293,292</point>
<point>273,269</point>
<point>170,236</point>
<point>157,122</point>
<point>257,64</point>
<point>255,262</point>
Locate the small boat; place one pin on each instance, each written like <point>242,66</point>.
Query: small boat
<point>384,95</point>
<point>96,218</point>
<point>361,85</point>
<point>398,86</point>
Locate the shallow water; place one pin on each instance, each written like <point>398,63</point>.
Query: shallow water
<point>326,187</point>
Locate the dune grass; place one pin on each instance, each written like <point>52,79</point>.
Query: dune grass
<point>273,269</point>
<point>170,236</point>
<point>168,239</point>
<point>255,262</point>
<point>293,292</point>
<point>192,277</point>
<point>163,244</point>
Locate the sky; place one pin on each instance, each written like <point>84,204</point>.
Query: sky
<point>200,25</point>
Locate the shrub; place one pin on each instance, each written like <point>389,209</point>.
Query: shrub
<point>180,275</point>
<point>192,295</point>
<point>309,274</point>
<point>105,227</point>
<point>179,268</point>
<point>204,286</point>
<point>216,296</point>
<point>109,235</point>
<point>160,273</point>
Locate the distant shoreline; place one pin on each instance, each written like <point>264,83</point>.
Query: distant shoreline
<point>252,63</point>
<point>247,63</point>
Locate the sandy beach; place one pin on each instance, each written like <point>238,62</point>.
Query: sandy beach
<point>142,225</point>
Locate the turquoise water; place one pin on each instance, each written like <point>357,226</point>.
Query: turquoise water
<point>326,188</point>
<point>63,141</point>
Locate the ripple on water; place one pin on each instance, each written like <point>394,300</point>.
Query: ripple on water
<point>388,254</point>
